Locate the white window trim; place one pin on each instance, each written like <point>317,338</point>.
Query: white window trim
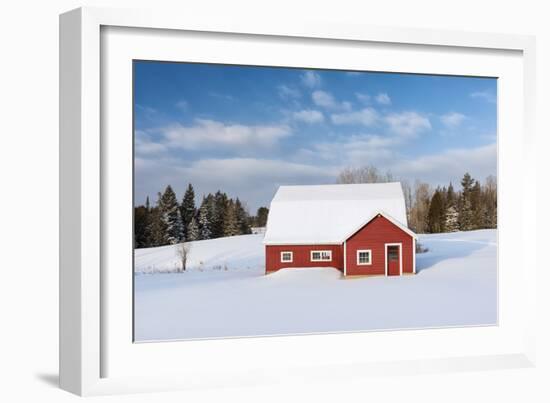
<point>369,251</point>
<point>321,252</point>
<point>291,256</point>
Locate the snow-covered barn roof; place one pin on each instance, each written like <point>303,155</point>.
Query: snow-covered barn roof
<point>328,214</point>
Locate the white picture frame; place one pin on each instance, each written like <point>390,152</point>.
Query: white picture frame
<point>90,341</point>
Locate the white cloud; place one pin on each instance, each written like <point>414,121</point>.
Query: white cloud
<point>407,123</point>
<point>450,165</point>
<point>309,116</point>
<point>485,95</point>
<point>249,170</point>
<point>286,92</point>
<point>353,73</point>
<point>355,150</point>
<point>182,104</point>
<point>366,117</point>
<point>143,145</point>
<point>210,134</point>
<point>362,97</point>
<point>383,99</point>
<point>384,153</point>
<point>311,79</point>
<point>452,119</point>
<point>225,97</point>
<point>326,100</point>
<point>253,180</point>
<point>146,111</point>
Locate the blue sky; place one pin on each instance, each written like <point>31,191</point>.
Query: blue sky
<point>246,130</point>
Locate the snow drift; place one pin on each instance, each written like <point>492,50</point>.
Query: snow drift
<point>226,294</point>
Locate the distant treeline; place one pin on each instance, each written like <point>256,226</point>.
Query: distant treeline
<point>170,222</point>
<point>429,210</point>
<point>442,209</point>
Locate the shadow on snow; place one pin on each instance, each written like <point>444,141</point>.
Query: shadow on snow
<point>444,249</point>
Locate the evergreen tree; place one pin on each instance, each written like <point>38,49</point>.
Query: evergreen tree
<point>465,217</point>
<point>205,215</point>
<point>179,229</point>
<point>443,194</point>
<point>141,227</point>
<point>231,225</point>
<point>171,216</point>
<point>219,214</point>
<point>467,182</point>
<point>451,219</point>
<point>261,217</point>
<point>157,226</point>
<point>242,218</point>
<point>436,213</point>
<point>188,210</point>
<point>476,205</point>
<point>193,231</point>
<point>450,199</point>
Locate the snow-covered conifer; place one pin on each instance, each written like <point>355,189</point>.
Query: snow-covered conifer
<point>465,213</point>
<point>436,213</point>
<point>231,226</point>
<point>205,230</point>
<point>157,226</point>
<point>451,219</point>
<point>171,216</point>
<point>243,220</point>
<point>188,209</point>
<point>219,208</point>
<point>193,232</point>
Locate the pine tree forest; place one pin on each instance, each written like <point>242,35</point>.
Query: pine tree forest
<point>429,210</point>
<point>169,222</point>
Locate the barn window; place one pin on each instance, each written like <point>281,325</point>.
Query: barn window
<point>321,255</point>
<point>364,257</point>
<point>286,257</point>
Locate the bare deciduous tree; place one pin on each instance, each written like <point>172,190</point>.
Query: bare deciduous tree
<point>183,253</point>
<point>489,198</point>
<point>371,174</point>
<point>483,200</point>
<point>365,174</point>
<point>407,193</point>
<point>419,212</point>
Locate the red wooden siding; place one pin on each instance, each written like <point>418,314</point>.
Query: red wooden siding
<point>301,256</point>
<point>374,236</point>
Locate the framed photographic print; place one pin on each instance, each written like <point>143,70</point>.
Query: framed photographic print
<point>258,189</point>
<point>246,200</point>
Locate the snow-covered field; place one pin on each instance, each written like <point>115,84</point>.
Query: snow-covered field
<point>224,292</point>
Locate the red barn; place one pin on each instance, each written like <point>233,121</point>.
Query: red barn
<point>360,229</point>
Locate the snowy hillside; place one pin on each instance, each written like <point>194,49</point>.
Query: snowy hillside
<point>241,252</point>
<point>225,293</point>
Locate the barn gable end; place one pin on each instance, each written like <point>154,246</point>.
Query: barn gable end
<point>374,236</point>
